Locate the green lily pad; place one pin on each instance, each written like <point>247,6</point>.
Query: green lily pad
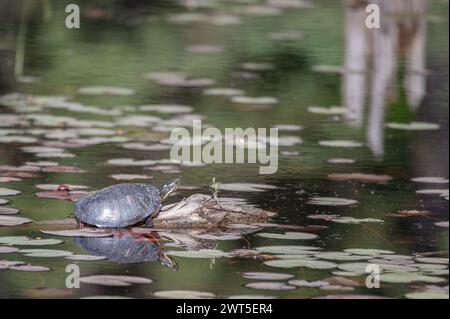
<point>337,255</point>
<point>30,268</point>
<point>115,280</point>
<point>184,294</point>
<point>413,126</point>
<point>202,253</point>
<point>292,263</point>
<point>267,275</point>
<point>105,90</point>
<point>84,232</point>
<point>427,295</point>
<point>368,252</point>
<point>332,110</point>
<point>288,235</point>
<point>8,191</point>
<point>269,285</point>
<point>26,241</point>
<point>45,253</point>
<point>431,180</point>
<point>432,260</point>
<point>6,220</point>
<point>7,249</point>
<point>409,277</point>
<point>331,201</point>
<point>293,250</point>
<point>85,257</point>
<point>341,143</point>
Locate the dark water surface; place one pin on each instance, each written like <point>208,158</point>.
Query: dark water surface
<point>116,49</point>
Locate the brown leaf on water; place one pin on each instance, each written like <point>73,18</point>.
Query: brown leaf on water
<point>65,195</point>
<point>63,169</point>
<point>409,212</point>
<point>19,174</point>
<point>361,177</point>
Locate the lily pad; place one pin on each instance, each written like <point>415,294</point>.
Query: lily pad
<point>288,235</point>
<point>308,284</point>
<point>30,268</point>
<point>427,295</point>
<point>432,260</point>
<point>115,280</point>
<point>105,90</point>
<point>267,275</point>
<point>431,180</point>
<point>9,191</point>
<point>269,285</point>
<point>223,92</point>
<point>129,177</point>
<point>332,110</point>
<point>26,241</point>
<point>13,221</point>
<point>84,232</point>
<point>7,249</point>
<point>331,201</point>
<point>292,263</point>
<point>184,294</point>
<point>8,211</point>
<point>341,143</point>
<point>359,177</point>
<point>409,277</point>
<point>245,187</point>
<point>368,251</point>
<point>45,253</point>
<point>329,255</point>
<point>413,126</point>
<point>85,257</point>
<point>293,250</point>
<point>201,253</point>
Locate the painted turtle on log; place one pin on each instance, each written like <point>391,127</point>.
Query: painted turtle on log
<point>122,205</point>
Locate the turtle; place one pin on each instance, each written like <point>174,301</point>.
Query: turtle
<point>122,205</point>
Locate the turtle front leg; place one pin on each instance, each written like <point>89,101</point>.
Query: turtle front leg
<point>80,224</point>
<point>149,223</point>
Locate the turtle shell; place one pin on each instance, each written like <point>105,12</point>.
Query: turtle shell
<point>119,205</point>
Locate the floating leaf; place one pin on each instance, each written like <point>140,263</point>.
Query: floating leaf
<point>368,251</point>
<point>431,180</point>
<point>269,285</point>
<point>223,91</point>
<point>8,192</point>
<point>267,275</point>
<point>409,212</point>
<point>293,250</point>
<point>331,201</point>
<point>7,249</point>
<point>291,263</point>
<point>163,108</point>
<point>115,280</point>
<point>427,295</point>
<point>308,284</point>
<point>55,187</point>
<point>413,126</point>
<point>251,297</point>
<point>340,256</point>
<point>85,257</point>
<point>409,277</point>
<point>442,224</point>
<point>341,161</point>
<point>30,268</point>
<point>261,100</point>
<point>201,253</point>
<point>352,220</point>
<point>184,294</point>
<point>8,211</point>
<point>288,235</point>
<point>45,252</point>
<point>105,90</point>
<point>26,241</point>
<point>4,201</point>
<point>341,143</point>
<point>83,232</point>
<point>432,260</point>
<point>332,110</point>
<point>13,221</point>
<point>129,177</point>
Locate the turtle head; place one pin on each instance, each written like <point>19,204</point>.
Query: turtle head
<point>168,262</point>
<point>169,187</point>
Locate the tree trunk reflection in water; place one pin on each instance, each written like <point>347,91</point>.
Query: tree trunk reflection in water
<point>402,34</point>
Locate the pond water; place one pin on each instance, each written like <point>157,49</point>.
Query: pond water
<point>264,51</point>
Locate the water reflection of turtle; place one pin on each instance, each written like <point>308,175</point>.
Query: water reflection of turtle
<point>122,205</point>
<point>127,248</point>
